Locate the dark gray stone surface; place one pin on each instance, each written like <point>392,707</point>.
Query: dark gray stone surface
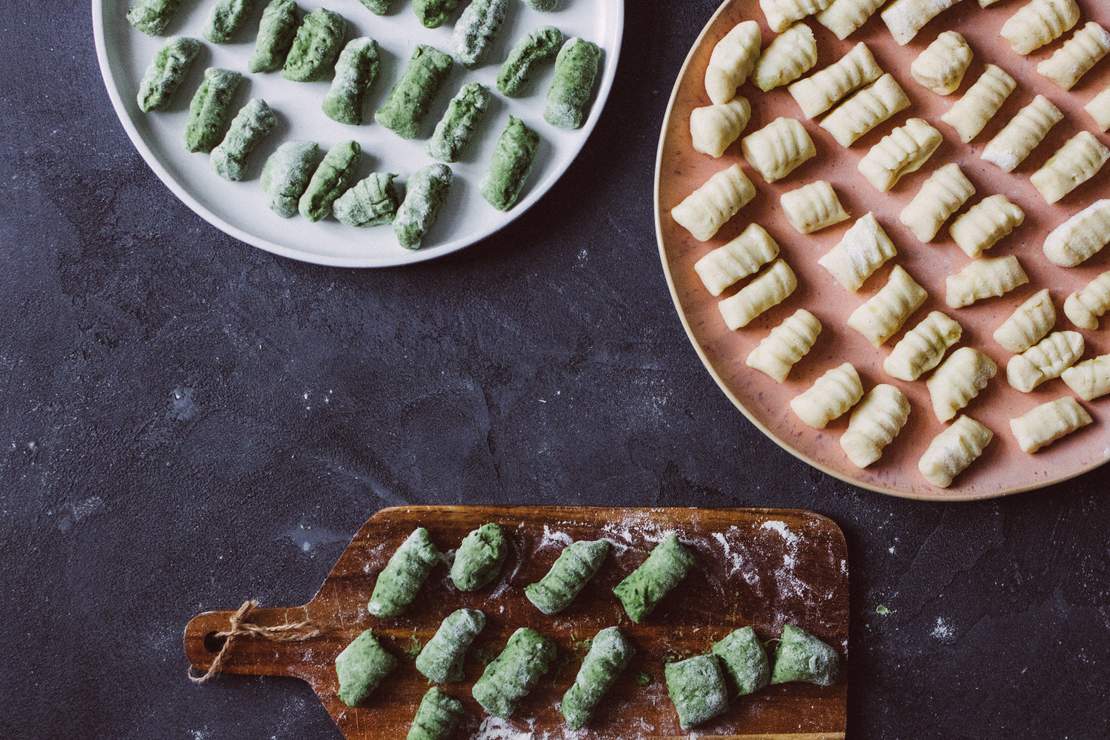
<point>189,421</point>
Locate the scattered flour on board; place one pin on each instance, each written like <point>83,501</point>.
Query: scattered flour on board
<point>737,559</point>
<point>943,631</point>
<point>552,538</point>
<point>788,582</point>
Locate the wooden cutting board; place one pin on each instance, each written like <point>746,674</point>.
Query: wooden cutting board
<point>761,567</point>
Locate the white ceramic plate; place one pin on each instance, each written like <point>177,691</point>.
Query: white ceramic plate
<point>239,209</point>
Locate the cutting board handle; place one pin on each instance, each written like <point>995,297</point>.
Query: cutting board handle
<point>251,655</point>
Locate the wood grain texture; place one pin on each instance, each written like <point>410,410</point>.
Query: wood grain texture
<point>1003,468</point>
<point>763,567</point>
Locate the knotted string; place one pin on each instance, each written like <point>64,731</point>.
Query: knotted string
<point>239,627</point>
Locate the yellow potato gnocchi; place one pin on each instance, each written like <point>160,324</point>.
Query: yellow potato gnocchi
<point>788,57</point>
<point>782,13</point>
<point>1098,108</point>
<point>923,347</point>
<point>820,91</point>
<point>1086,306</point>
<point>1089,379</point>
<point>731,62</point>
<point>760,295</point>
<point>958,380</point>
<point>865,110</point>
<point>863,250</point>
<point>786,345</point>
<point>778,148</point>
<point>743,256</point>
<point>845,17</point>
<point>1076,57</point>
<point>883,314</point>
<point>943,64</point>
<point>1028,324</point>
<point>1080,237</point>
<point>904,150</point>
<point>1045,360</point>
<point>874,424</point>
<point>830,397</point>
<point>944,193</point>
<point>1038,23</point>
<point>714,128</point>
<point>991,277</point>
<point>813,207</point>
<point>970,114</point>
<point>985,224</point>
<point>711,206</point>
<point>1025,131</point>
<point>953,451</point>
<point>904,18</point>
<point>1076,162</point>
<point>1048,423</point>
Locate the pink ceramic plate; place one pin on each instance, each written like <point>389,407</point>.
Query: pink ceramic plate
<point>1003,468</point>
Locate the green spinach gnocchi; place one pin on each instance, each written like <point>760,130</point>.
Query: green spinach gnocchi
<point>458,125</point>
<point>426,194</point>
<point>610,652</point>
<point>512,161</point>
<point>803,657</point>
<point>411,97</point>
<point>275,36</point>
<point>361,668</point>
<point>210,109</point>
<point>166,73</point>
<point>370,202</point>
<point>441,660</point>
<point>407,569</point>
<point>646,586</point>
<point>479,558</point>
<point>437,716</point>
<point>252,124</point>
<point>354,74</point>
<point>512,675</point>
<point>576,565</point>
<point>153,17</point>
<point>576,69</point>
<point>316,46</point>
<point>286,175</point>
<point>536,48</point>
<point>697,689</point>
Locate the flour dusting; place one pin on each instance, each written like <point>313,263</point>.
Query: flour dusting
<point>943,631</point>
<point>736,556</point>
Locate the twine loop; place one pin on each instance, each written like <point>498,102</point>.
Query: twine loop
<point>238,626</point>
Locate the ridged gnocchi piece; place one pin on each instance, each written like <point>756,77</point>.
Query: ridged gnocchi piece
<point>904,18</point>
<point>990,277</point>
<point>985,224</point>
<point>714,128</point>
<point>1045,360</point>
<point>1028,324</point>
<point>1089,379</point>
<point>786,345</point>
<point>881,316</point>
<point>953,451</point>
<point>865,110</point>
<point>943,64</point>
<point>1076,162</point>
<point>1086,306</point>
<point>904,150</point>
<point>845,17</point>
<point>732,60</point>
<point>980,103</point>
<point>923,347</point>
<point>711,206</point>
<point>863,250</point>
<point>743,256</point>
<point>874,424</point>
<point>1098,108</point>
<point>1049,422</point>
<point>1025,131</point>
<point>778,148</point>
<point>958,380</point>
<point>944,193</point>
<point>1080,237</point>
<point>813,207</point>
<point>1038,23</point>
<point>782,13</point>
<point>789,56</point>
<point>820,91</point>
<point>760,295</point>
<point>830,397</point>
<point>1076,57</point>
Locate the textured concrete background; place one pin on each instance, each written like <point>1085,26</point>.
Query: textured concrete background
<point>189,421</point>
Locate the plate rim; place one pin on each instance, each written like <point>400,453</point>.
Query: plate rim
<point>406,257</point>
<point>941,495</point>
